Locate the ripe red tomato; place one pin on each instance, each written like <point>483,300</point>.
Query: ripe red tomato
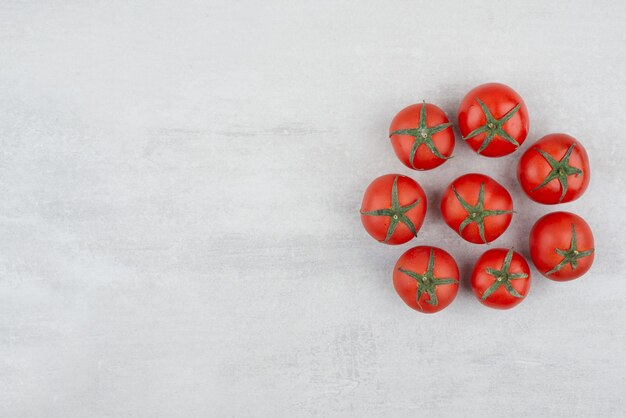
<point>555,169</point>
<point>477,207</point>
<point>501,278</point>
<point>493,119</point>
<point>393,209</point>
<point>422,136</point>
<point>561,246</point>
<point>426,278</point>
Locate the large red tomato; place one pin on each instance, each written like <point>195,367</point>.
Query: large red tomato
<point>426,278</point>
<point>422,136</point>
<point>477,208</point>
<point>501,278</point>
<point>555,169</point>
<point>393,208</point>
<point>493,119</point>
<point>561,246</point>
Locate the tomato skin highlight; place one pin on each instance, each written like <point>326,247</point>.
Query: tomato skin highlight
<point>378,195</point>
<point>500,99</point>
<point>554,231</point>
<point>533,168</point>
<point>496,197</point>
<point>481,280</point>
<point>417,259</point>
<point>424,158</point>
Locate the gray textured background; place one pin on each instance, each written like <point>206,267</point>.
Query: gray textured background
<point>179,229</point>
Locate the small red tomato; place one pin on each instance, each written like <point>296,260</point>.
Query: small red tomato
<point>422,136</point>
<point>561,246</point>
<point>426,278</point>
<point>393,209</point>
<point>501,278</point>
<point>555,169</point>
<point>493,119</point>
<point>477,208</point>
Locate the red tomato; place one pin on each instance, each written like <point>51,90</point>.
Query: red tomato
<point>477,207</point>
<point>493,119</point>
<point>501,278</point>
<point>554,170</point>
<point>426,278</point>
<point>422,136</point>
<point>561,246</point>
<point>393,209</point>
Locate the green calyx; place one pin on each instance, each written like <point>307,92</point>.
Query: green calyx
<point>477,213</point>
<point>396,213</point>
<point>560,170</point>
<point>423,135</point>
<point>427,282</point>
<point>503,278</point>
<point>571,255</point>
<point>493,127</point>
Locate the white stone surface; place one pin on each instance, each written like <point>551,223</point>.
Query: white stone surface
<point>179,229</point>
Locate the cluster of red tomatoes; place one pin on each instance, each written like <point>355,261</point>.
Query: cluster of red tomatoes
<point>493,120</point>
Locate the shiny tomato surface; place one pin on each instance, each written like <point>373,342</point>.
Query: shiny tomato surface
<point>493,119</point>
<point>426,278</point>
<point>562,246</point>
<point>477,208</point>
<point>555,169</point>
<point>422,136</point>
<point>393,209</point>
<point>501,278</point>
